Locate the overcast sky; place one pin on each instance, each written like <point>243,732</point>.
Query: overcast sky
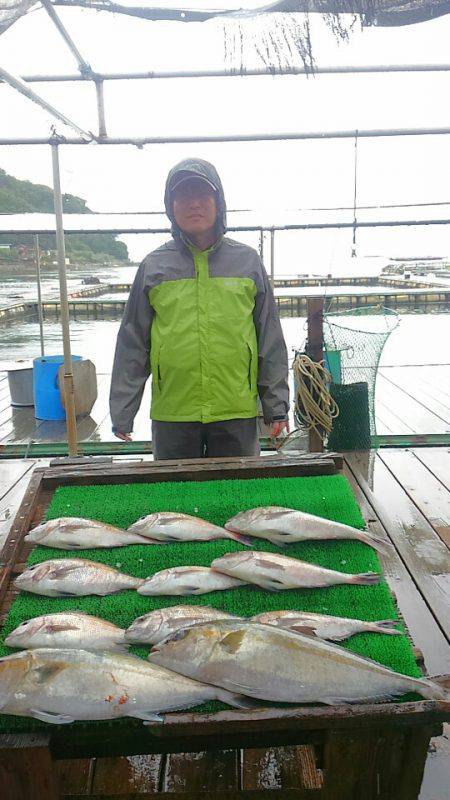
<point>278,175</point>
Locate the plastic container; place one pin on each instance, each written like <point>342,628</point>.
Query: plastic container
<point>47,399</point>
<point>20,381</point>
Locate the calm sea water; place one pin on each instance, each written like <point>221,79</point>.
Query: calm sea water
<point>418,339</point>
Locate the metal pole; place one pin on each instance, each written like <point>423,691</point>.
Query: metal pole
<point>261,245</point>
<point>223,73</point>
<point>272,257</point>
<point>373,133</point>
<point>21,86</point>
<point>354,196</point>
<point>83,66</point>
<point>68,373</point>
<point>38,276</point>
<point>100,109</point>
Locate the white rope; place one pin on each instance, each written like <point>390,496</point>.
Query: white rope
<point>313,402</point>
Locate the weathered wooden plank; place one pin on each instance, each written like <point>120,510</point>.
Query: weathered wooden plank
<point>194,469</point>
<point>284,794</point>
<point>75,776</point>
<point>26,768</point>
<point>127,775</point>
<point>269,727</point>
<point>437,459</point>
<point>424,394</point>
<point>426,492</point>
<point>425,555</point>
<point>389,420</point>
<point>280,768</point>
<point>10,503</point>
<point>384,765</point>
<point>10,474</point>
<point>413,414</point>
<point>201,772</point>
<point>419,620</point>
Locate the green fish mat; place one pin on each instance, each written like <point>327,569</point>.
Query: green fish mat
<point>218,500</point>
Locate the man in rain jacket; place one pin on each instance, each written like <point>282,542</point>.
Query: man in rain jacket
<point>201,318</point>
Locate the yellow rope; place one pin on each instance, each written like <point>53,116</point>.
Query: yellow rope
<point>313,402</point>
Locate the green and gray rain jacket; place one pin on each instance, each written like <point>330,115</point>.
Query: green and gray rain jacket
<point>205,325</point>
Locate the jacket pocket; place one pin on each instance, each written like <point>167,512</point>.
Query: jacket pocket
<point>251,367</point>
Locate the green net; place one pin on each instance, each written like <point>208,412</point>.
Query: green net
<point>353,343</point>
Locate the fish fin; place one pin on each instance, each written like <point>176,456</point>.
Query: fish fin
<point>52,718</point>
<point>232,641</point>
<point>266,563</point>
<point>237,700</point>
<point>192,589</point>
<point>305,630</point>
<point>147,716</point>
<point>240,537</point>
<point>55,627</point>
<point>45,672</point>
<point>66,594</point>
<point>365,578</point>
<point>61,572</point>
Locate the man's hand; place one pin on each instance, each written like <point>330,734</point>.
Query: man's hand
<point>126,437</point>
<point>278,426</point>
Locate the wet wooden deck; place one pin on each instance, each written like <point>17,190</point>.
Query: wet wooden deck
<point>402,492</point>
<point>409,400</point>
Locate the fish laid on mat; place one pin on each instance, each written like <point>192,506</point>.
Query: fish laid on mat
<point>274,572</point>
<point>157,625</point>
<point>284,525</point>
<point>171,526</point>
<point>61,686</point>
<point>275,664</point>
<point>68,629</point>
<point>69,533</point>
<point>73,577</point>
<point>188,580</point>
<point>323,625</point>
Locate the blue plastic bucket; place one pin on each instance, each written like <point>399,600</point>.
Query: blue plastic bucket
<point>47,399</point>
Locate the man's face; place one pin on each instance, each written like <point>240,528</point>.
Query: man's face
<point>194,206</point>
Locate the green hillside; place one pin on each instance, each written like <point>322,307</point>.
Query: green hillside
<point>18,197</point>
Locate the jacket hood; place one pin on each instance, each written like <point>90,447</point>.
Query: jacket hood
<point>202,169</point>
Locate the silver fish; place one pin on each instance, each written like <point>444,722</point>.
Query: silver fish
<point>274,572</point>
<point>284,525</point>
<point>74,577</point>
<point>275,664</point>
<point>68,629</point>
<point>69,533</point>
<point>187,580</point>
<point>172,526</point>
<point>323,625</point>
<point>157,625</point>
<point>61,686</point>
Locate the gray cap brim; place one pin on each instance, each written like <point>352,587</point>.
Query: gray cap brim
<point>192,177</point>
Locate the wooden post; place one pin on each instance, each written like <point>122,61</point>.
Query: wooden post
<point>315,351</point>
<point>26,768</point>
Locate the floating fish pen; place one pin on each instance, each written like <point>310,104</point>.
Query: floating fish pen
<point>378,750</point>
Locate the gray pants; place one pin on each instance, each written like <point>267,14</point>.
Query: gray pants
<point>232,437</point>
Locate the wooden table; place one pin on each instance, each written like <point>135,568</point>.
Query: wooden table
<point>343,752</point>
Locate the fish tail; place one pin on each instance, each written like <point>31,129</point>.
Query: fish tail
<point>365,578</point>
<point>385,626</point>
<point>239,537</point>
<point>237,700</point>
<point>431,689</point>
<point>383,546</point>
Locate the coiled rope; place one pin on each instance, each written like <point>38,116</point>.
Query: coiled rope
<point>314,405</point>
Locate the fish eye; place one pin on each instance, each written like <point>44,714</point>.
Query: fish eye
<point>180,634</point>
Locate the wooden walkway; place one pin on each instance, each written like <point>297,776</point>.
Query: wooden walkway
<point>402,493</point>
<point>409,400</point>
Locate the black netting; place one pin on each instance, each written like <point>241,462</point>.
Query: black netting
<point>354,341</point>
